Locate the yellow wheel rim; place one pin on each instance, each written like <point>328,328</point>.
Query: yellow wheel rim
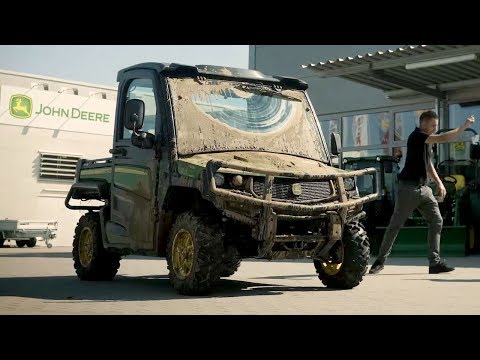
<point>85,247</point>
<point>333,268</point>
<point>182,254</point>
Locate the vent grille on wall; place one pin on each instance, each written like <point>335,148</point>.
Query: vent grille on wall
<point>58,166</point>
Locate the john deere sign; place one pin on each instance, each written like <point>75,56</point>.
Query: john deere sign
<point>56,110</point>
<point>20,106</point>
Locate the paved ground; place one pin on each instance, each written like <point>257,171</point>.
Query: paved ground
<point>42,281</point>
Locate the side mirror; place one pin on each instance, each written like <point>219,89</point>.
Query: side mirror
<point>134,114</point>
<point>143,140</point>
<point>335,144</point>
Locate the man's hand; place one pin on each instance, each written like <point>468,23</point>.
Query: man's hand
<point>441,190</point>
<point>469,122</point>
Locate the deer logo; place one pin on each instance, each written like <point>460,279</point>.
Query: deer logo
<point>20,106</point>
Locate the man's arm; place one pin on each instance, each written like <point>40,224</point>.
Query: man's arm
<point>450,135</point>
<point>433,174</point>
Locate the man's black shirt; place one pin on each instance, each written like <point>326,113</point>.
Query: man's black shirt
<point>418,156</point>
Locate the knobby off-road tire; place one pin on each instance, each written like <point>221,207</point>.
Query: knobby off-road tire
<point>194,254</point>
<point>356,253</point>
<point>91,260</point>
<point>230,262</point>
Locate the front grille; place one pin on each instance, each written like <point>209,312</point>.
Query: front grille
<point>282,190</point>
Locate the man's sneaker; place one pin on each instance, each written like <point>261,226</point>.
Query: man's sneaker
<point>440,267</point>
<point>376,267</point>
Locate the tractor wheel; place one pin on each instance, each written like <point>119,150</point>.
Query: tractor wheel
<point>32,242</point>
<point>194,254</point>
<point>21,243</point>
<point>91,260</point>
<point>230,262</point>
<point>348,259</point>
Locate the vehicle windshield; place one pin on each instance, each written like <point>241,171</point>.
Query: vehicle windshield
<point>219,115</point>
<point>453,158</point>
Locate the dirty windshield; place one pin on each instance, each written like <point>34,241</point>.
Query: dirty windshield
<point>218,115</point>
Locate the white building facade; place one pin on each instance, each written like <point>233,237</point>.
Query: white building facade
<point>46,125</point>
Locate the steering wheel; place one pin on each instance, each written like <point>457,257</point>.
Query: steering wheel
<point>449,179</point>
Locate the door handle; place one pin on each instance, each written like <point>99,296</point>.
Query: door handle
<point>118,151</point>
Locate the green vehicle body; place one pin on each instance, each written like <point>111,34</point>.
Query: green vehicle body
<point>234,166</point>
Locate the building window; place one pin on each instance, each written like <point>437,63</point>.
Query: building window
<point>58,166</point>
<point>366,129</point>
<point>460,112</point>
<point>406,122</point>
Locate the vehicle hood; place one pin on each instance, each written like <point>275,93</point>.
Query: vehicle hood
<point>193,165</point>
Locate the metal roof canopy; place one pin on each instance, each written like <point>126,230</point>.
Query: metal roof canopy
<point>426,69</point>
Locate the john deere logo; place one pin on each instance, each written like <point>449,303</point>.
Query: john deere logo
<point>297,189</point>
<point>20,106</point>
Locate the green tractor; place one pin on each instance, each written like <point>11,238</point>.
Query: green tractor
<point>457,166</point>
<point>378,212</point>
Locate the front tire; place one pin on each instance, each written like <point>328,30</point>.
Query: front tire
<point>349,259</point>
<point>231,261</point>
<point>91,260</point>
<point>194,254</point>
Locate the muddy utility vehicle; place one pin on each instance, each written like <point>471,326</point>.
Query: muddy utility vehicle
<point>211,165</point>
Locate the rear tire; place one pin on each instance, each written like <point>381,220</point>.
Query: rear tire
<point>91,260</point>
<point>21,243</point>
<point>356,253</point>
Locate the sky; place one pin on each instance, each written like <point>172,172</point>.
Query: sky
<point>99,64</point>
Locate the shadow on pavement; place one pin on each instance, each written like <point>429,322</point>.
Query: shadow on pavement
<point>46,254</point>
<point>455,280</point>
<point>280,277</point>
<point>130,288</point>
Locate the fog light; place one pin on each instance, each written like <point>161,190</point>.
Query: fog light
<point>219,179</point>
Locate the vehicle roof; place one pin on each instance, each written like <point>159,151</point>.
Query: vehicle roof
<point>174,69</point>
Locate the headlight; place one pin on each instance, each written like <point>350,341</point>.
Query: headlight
<point>237,181</point>
<point>219,179</point>
<point>349,183</point>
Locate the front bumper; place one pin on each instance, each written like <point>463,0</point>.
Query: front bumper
<point>263,214</point>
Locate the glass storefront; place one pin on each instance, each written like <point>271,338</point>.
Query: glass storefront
<point>378,133</point>
<point>366,129</point>
<point>459,112</point>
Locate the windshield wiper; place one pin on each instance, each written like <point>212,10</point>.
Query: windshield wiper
<point>266,90</point>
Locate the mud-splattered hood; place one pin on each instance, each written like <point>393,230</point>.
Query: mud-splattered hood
<point>193,165</point>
